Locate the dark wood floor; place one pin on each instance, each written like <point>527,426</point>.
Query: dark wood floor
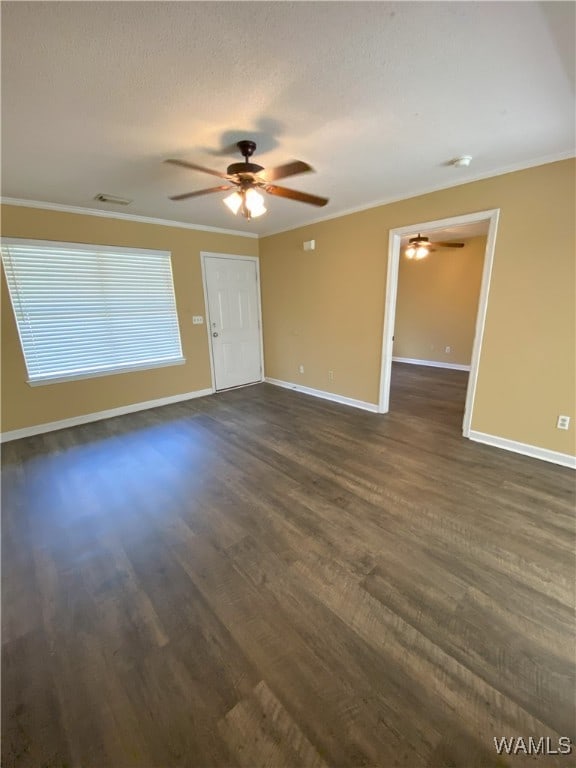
<point>261,578</point>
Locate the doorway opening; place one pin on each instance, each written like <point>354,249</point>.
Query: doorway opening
<point>444,229</point>
<point>234,319</point>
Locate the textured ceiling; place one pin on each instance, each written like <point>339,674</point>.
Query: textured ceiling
<point>376,96</point>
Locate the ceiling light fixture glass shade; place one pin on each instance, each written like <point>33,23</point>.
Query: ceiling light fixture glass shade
<point>233,201</point>
<point>255,203</point>
<point>413,252</point>
<point>421,252</point>
<point>248,201</point>
<point>418,247</point>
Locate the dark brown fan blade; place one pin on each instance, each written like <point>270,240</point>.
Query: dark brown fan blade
<point>292,194</point>
<point>195,167</point>
<point>282,171</point>
<point>186,195</point>
<point>450,245</point>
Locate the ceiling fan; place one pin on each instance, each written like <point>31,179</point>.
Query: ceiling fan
<point>419,247</point>
<point>247,178</point>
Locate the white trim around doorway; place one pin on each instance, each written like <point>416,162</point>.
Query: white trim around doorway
<point>203,255</point>
<point>394,242</point>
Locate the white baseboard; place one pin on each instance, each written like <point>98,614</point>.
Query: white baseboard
<point>52,426</point>
<point>325,395</point>
<point>555,457</point>
<point>431,363</point>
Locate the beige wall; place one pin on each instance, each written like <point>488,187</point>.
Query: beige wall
<point>324,309</point>
<point>24,406</point>
<point>437,303</point>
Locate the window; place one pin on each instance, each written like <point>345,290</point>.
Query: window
<point>85,310</point>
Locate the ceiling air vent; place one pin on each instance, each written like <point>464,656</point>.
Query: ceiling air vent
<point>102,198</point>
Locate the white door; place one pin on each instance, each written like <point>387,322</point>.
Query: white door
<point>234,320</point>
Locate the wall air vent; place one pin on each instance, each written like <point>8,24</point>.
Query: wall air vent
<point>102,198</point>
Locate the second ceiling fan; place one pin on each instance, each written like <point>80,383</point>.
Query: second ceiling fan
<point>419,247</point>
<point>247,178</point>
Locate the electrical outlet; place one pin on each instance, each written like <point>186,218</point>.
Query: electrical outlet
<point>330,375</point>
<point>563,422</point>
<point>301,369</point>
<point>197,320</point>
<point>447,350</point>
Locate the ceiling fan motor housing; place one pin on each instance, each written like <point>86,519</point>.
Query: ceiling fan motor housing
<point>243,168</point>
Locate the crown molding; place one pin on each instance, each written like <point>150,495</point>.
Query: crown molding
<point>122,216</point>
<point>546,160</point>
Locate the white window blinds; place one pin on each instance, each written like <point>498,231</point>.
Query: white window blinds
<point>85,310</point>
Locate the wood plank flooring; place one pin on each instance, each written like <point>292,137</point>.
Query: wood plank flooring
<point>261,578</point>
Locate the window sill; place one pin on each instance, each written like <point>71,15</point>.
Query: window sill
<point>39,382</point>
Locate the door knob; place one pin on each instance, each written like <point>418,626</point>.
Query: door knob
<point>215,334</point>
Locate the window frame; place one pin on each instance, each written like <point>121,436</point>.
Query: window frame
<point>109,249</point>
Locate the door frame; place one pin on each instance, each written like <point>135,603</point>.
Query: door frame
<point>394,243</point>
<point>203,256</point>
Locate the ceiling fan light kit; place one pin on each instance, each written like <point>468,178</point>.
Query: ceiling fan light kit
<point>419,247</point>
<point>420,252</point>
<point>250,202</point>
<point>248,178</point>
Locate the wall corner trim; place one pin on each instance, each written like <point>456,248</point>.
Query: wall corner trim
<point>431,363</point>
<point>372,407</point>
<point>52,426</point>
<point>544,454</point>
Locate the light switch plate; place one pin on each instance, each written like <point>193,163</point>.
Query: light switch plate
<point>197,320</point>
